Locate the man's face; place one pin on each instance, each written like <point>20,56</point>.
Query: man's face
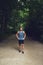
<point>21,29</point>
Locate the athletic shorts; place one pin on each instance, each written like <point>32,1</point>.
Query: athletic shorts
<point>21,42</point>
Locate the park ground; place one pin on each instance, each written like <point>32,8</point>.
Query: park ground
<point>9,55</point>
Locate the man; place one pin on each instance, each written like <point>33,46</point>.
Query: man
<point>21,35</point>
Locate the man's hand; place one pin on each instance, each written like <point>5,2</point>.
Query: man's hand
<point>24,36</point>
<point>17,35</point>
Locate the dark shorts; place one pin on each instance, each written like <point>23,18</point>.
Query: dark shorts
<point>21,42</point>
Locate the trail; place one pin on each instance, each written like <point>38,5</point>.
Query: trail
<point>9,55</point>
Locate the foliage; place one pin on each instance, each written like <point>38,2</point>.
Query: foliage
<point>26,12</point>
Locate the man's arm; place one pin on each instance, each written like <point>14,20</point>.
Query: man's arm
<point>17,35</point>
<point>24,35</point>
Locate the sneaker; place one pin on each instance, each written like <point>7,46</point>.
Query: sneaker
<point>23,52</point>
<point>19,50</point>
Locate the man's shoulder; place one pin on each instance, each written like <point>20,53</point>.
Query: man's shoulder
<point>18,31</point>
<point>23,31</point>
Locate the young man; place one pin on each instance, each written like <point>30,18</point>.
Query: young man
<point>21,35</point>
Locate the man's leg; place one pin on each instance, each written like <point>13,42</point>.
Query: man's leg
<point>22,48</point>
<point>19,45</point>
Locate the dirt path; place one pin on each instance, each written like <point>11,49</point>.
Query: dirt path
<point>9,54</point>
